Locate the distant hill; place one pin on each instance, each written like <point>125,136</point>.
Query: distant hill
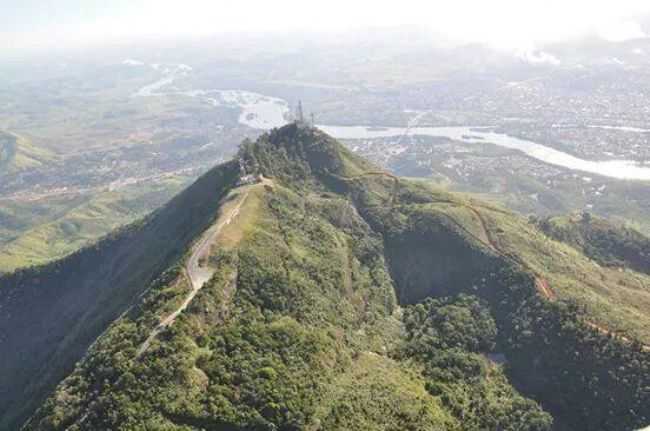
<point>50,314</point>
<point>17,154</point>
<point>50,228</point>
<point>39,224</point>
<point>299,287</point>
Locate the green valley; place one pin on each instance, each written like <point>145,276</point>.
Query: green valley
<point>37,232</point>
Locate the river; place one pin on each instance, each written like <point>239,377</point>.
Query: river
<point>264,112</point>
<point>619,169</point>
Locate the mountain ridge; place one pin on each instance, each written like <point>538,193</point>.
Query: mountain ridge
<point>332,272</point>
<point>122,263</point>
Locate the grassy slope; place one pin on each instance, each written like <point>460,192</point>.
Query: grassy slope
<point>288,351</point>
<point>580,264</point>
<point>301,340</point>
<point>17,153</point>
<point>66,225</point>
<point>619,300</point>
<point>312,308</point>
<point>377,392</point>
<point>605,242</point>
<point>57,310</point>
<point>431,253</point>
<point>587,379</point>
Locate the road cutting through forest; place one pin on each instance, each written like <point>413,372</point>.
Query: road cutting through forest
<point>195,273</point>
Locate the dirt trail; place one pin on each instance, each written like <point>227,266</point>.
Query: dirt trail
<point>494,245</point>
<point>544,288</point>
<point>196,274</point>
<point>541,284</point>
<point>605,331</point>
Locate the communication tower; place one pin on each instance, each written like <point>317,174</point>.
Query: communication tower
<point>300,116</point>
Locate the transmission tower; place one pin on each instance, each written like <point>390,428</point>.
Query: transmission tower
<point>300,116</point>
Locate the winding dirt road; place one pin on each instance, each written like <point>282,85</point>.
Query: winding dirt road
<point>194,272</point>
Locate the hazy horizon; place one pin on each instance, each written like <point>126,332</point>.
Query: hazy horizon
<point>503,24</point>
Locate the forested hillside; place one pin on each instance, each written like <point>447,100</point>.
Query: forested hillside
<point>340,297</point>
<point>605,242</point>
<point>49,315</point>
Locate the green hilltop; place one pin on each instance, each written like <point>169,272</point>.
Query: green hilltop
<point>338,297</point>
<point>17,153</point>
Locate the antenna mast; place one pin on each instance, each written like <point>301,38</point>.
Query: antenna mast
<point>300,116</point>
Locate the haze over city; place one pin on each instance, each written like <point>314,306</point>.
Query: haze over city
<point>508,24</point>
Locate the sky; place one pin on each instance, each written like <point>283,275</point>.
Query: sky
<point>509,24</point>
